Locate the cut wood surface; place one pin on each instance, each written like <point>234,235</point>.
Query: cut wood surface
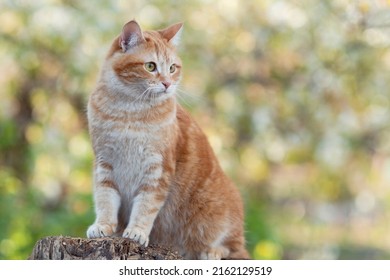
<point>107,248</point>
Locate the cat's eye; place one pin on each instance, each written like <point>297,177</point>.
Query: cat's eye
<point>172,68</point>
<point>150,66</point>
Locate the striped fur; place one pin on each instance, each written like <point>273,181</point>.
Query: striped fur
<point>156,178</point>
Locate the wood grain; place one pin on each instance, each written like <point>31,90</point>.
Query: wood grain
<point>107,248</point>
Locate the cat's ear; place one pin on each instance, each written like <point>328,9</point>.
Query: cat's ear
<point>173,33</point>
<point>131,35</point>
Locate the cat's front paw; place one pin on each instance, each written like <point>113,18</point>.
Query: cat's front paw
<point>100,230</point>
<point>137,234</point>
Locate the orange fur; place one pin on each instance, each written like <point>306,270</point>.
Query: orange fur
<point>156,176</point>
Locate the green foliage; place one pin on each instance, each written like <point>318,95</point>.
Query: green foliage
<point>292,95</point>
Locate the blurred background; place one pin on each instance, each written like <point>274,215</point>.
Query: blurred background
<point>293,95</point>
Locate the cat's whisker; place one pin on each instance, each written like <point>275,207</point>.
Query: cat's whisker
<point>137,98</point>
<point>182,99</point>
<point>189,98</point>
<point>191,95</point>
<point>140,97</point>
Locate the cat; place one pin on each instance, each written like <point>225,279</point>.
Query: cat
<point>156,178</point>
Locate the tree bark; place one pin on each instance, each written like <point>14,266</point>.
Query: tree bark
<point>107,248</point>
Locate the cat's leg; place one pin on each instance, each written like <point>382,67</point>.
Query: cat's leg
<point>233,242</point>
<point>215,253</point>
<point>146,206</point>
<point>107,202</point>
<point>216,249</point>
<point>210,238</point>
<point>222,252</point>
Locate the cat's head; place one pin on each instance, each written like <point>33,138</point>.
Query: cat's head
<point>144,64</point>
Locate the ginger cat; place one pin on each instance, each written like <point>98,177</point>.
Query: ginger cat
<point>156,177</point>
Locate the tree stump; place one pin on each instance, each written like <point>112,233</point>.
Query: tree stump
<point>107,248</point>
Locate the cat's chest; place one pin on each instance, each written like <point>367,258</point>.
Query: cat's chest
<point>133,148</point>
<point>133,154</point>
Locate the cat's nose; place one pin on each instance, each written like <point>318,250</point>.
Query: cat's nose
<point>166,84</point>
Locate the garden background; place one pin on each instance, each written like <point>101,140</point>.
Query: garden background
<point>293,95</point>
